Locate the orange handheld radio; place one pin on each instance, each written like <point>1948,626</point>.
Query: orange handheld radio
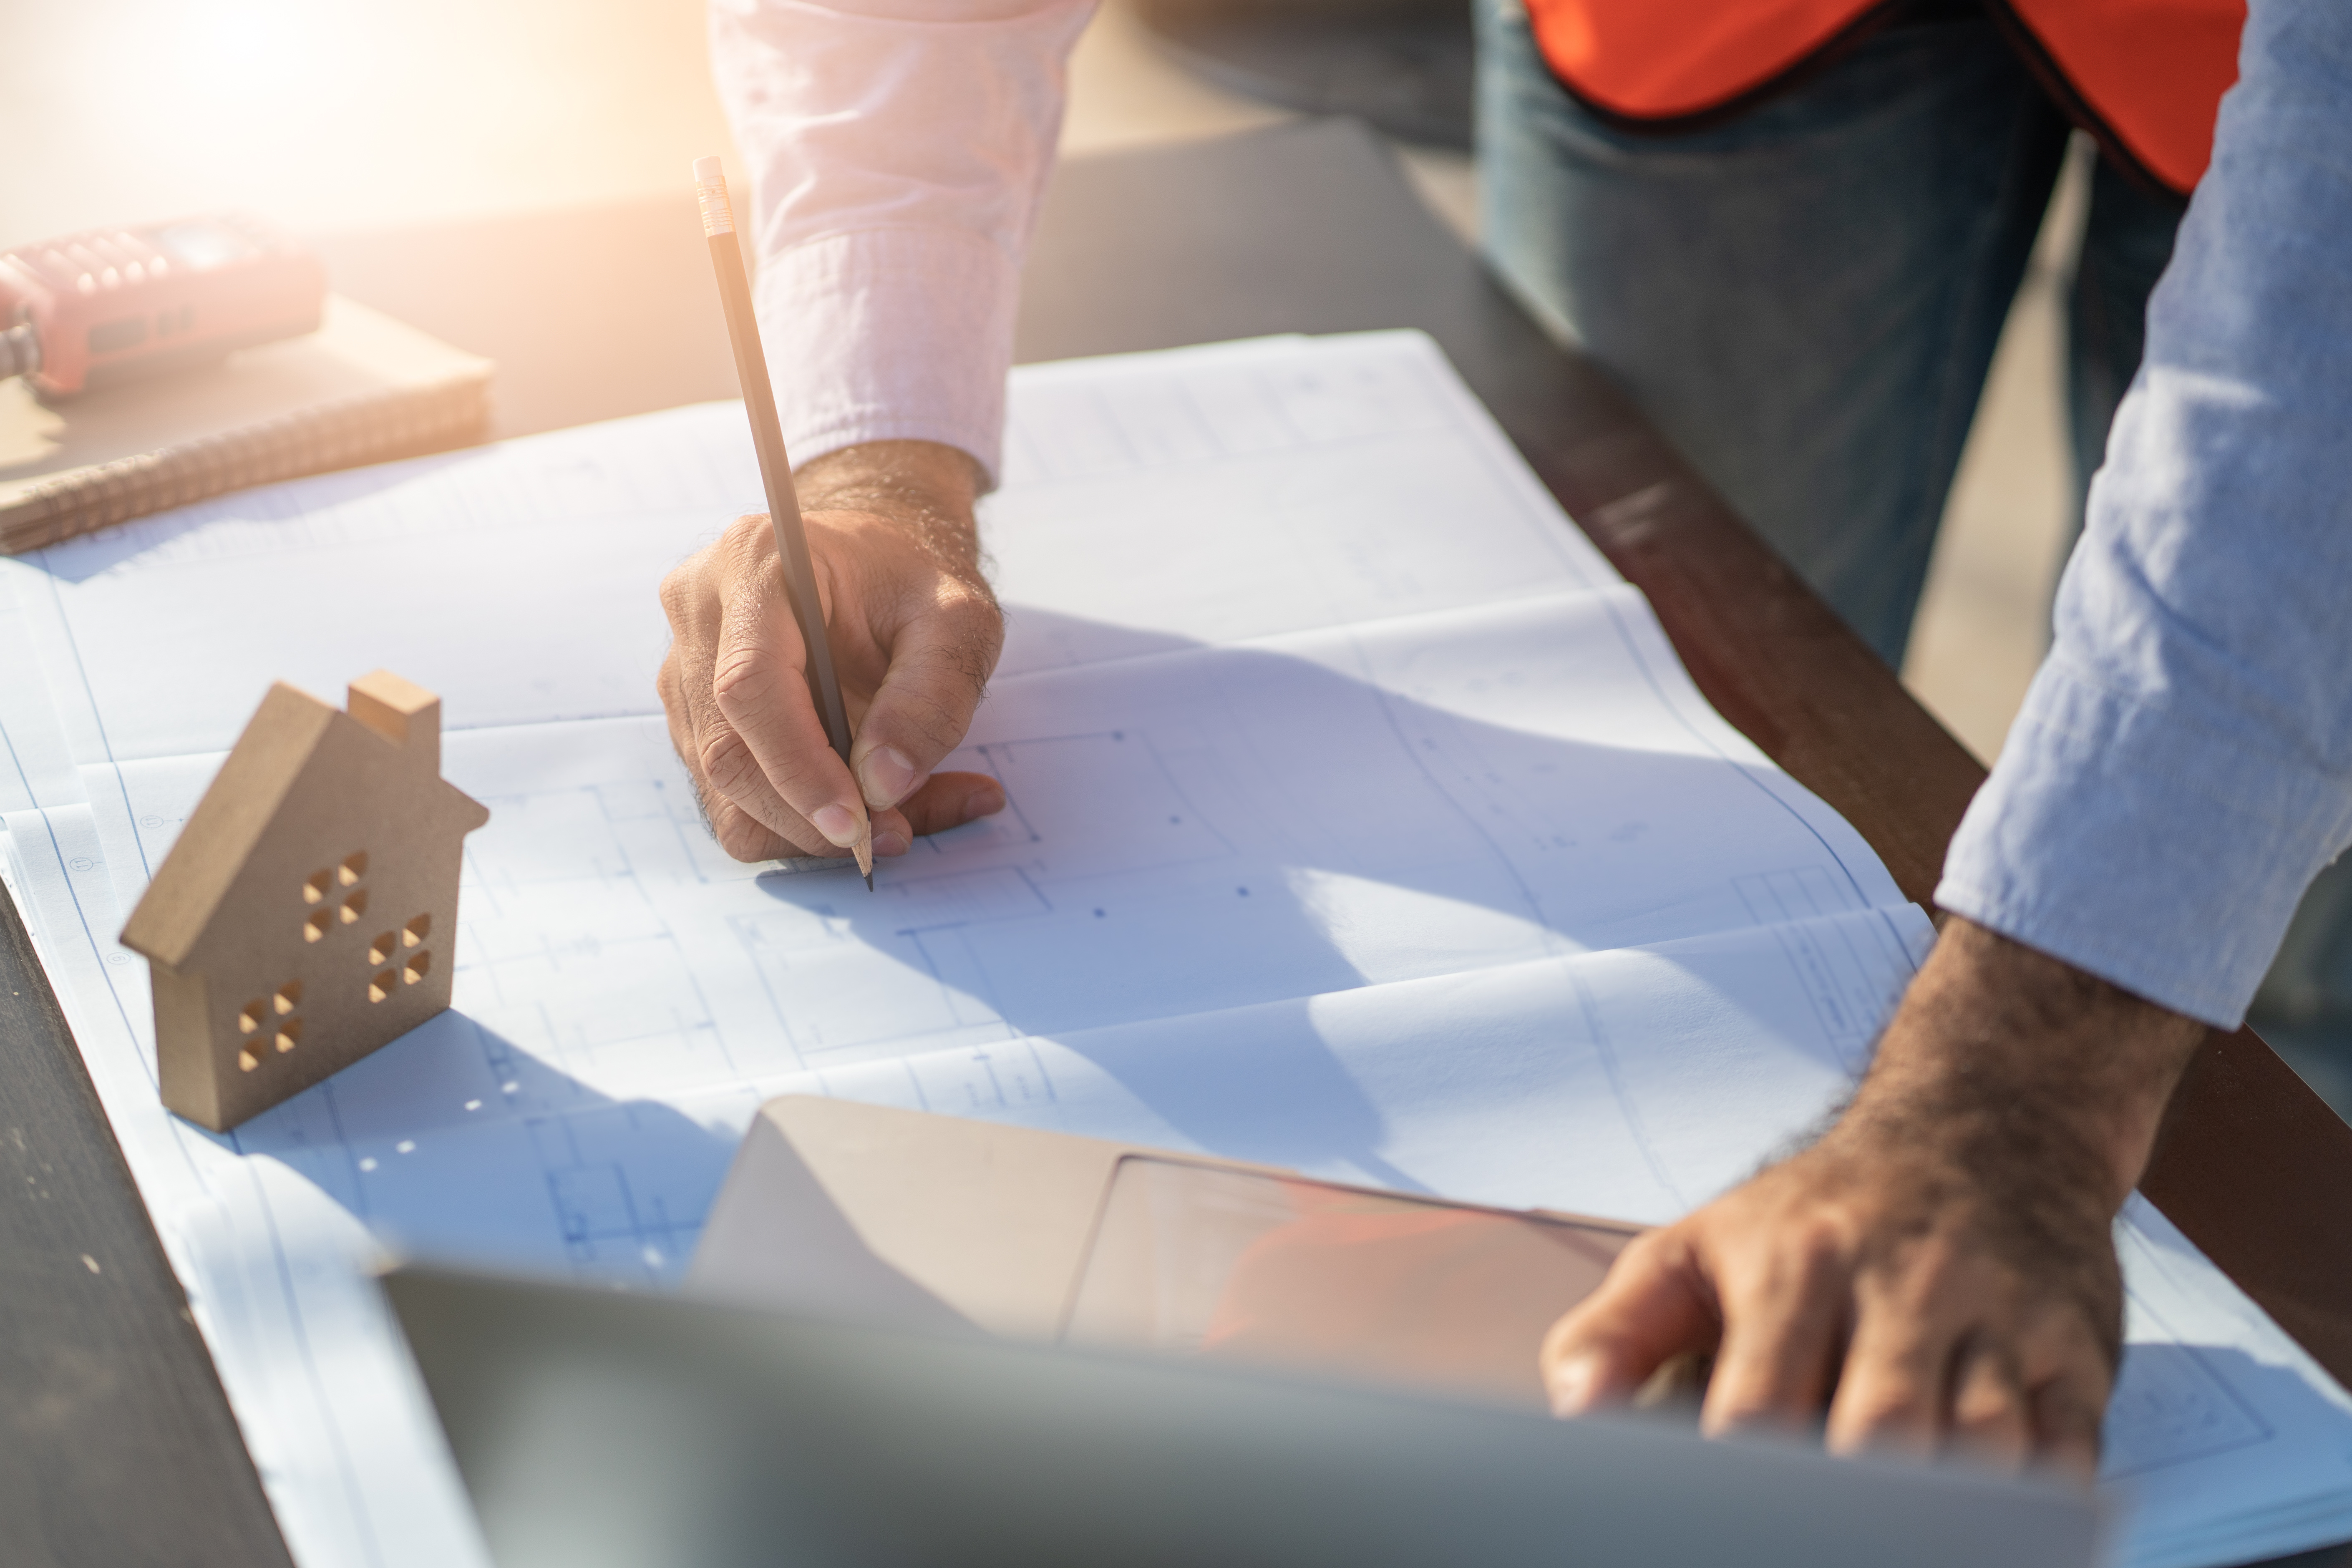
<point>115,304</point>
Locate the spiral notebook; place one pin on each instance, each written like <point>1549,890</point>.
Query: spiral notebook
<point>363,388</point>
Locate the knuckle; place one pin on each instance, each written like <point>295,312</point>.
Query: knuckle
<point>690,588</point>
<point>748,544</point>
<point>974,613</point>
<point>726,762</point>
<point>743,682</point>
<point>963,627</point>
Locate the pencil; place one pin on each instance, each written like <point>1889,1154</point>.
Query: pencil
<point>775,470</point>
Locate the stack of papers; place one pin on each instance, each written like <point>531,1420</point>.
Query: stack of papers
<point>1360,820</point>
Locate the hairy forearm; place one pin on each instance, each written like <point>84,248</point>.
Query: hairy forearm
<point>2024,1071</point>
<point>929,489</point>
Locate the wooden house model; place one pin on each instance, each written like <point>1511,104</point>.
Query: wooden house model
<point>307,913</point>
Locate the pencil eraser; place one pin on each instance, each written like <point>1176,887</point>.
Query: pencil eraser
<point>706,169</point>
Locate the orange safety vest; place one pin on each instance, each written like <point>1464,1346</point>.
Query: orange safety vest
<point>2144,76</point>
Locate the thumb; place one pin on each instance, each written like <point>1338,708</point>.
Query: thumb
<point>939,665</point>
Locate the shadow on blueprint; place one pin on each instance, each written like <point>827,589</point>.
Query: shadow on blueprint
<point>1226,836</point>
<point>453,1144</point>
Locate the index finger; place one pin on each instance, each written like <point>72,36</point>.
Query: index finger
<point>759,683</point>
<point>741,835</point>
<point>1654,1305</point>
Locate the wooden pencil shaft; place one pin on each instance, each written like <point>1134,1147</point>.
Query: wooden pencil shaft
<point>783,500</point>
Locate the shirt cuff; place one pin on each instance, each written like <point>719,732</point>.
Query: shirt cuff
<point>2119,836</point>
<point>890,335</point>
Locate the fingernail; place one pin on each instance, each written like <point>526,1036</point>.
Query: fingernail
<point>887,776</point>
<point>838,823</point>
<point>889,842</point>
<point>1571,1386</point>
<point>983,803</point>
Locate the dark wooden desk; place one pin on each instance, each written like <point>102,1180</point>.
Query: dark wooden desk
<point>116,1446</point>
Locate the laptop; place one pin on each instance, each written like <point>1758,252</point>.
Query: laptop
<point>596,1428</point>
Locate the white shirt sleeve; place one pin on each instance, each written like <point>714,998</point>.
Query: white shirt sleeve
<point>896,149</point>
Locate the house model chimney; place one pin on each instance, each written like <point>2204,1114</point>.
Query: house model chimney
<point>402,712</point>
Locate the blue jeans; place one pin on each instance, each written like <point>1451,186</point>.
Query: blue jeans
<point>1805,299</point>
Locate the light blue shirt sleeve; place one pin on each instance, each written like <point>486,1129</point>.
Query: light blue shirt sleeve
<point>2182,767</point>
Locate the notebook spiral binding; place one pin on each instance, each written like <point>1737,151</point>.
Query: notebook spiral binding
<point>350,432</point>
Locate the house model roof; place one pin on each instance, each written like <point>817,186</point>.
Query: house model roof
<point>264,774</point>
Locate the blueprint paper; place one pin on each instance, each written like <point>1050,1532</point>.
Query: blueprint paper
<point>1362,820</point>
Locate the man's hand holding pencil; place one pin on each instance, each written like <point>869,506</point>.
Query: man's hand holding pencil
<point>915,634</point>
<point>828,656</point>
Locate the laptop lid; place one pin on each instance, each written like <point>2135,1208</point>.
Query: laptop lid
<point>595,1427</point>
